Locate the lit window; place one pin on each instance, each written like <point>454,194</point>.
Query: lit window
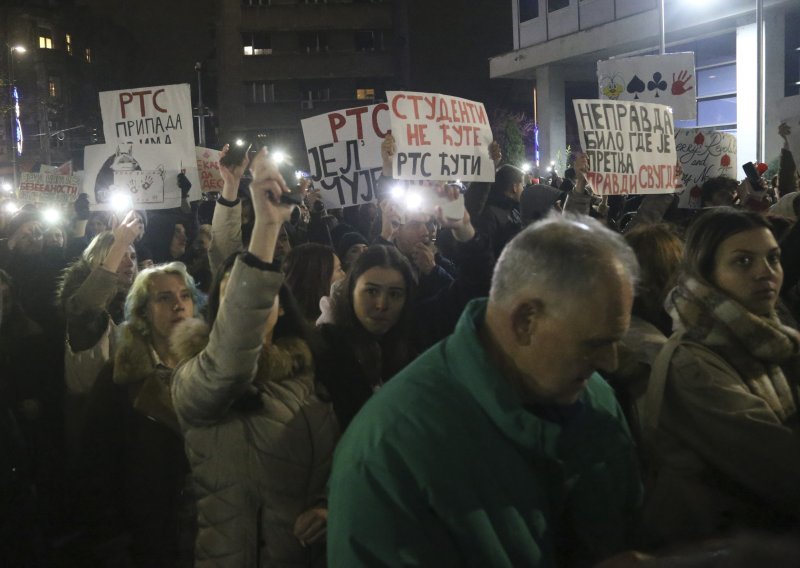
<point>45,39</point>
<point>365,94</point>
<point>87,54</point>
<point>68,43</point>
<point>52,86</point>
<point>256,43</point>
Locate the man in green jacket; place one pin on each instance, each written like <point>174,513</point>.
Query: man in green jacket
<point>501,446</point>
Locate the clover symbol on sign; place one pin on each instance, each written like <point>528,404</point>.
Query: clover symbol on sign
<point>657,84</point>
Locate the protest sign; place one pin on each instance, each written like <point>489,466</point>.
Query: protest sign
<point>703,154</point>
<point>344,152</point>
<point>439,137</point>
<point>630,146</point>
<point>138,171</point>
<point>664,79</point>
<point>208,169</point>
<point>49,188</point>
<point>154,117</point>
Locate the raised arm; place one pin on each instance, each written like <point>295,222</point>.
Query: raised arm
<point>205,386</point>
<point>226,225</point>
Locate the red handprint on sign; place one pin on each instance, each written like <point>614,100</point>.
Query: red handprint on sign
<point>679,84</point>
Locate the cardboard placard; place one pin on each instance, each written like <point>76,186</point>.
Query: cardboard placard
<point>344,151</point>
<point>664,79</point>
<point>703,154</point>
<point>49,188</point>
<point>439,137</point>
<point>630,146</point>
<point>208,169</point>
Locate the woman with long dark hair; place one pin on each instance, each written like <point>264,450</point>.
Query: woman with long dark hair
<point>720,413</point>
<point>311,269</point>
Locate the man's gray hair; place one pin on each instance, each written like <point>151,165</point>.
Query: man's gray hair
<point>564,254</point>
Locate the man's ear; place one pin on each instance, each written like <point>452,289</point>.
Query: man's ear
<point>525,317</point>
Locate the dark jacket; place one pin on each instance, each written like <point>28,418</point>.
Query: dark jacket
<point>500,221</point>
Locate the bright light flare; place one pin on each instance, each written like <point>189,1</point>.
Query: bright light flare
<point>239,142</point>
<point>278,156</point>
<point>298,175</point>
<point>526,167</point>
<point>413,201</point>
<point>121,201</point>
<point>11,207</point>
<point>51,216</point>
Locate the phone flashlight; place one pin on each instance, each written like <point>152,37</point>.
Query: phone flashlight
<point>278,156</point>
<point>121,201</point>
<point>11,207</point>
<point>51,216</point>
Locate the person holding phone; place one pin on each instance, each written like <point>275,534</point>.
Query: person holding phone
<point>259,440</point>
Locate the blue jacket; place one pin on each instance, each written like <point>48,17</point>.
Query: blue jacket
<point>444,466</point>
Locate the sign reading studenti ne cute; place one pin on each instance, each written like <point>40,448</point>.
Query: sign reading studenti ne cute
<point>49,188</point>
<point>344,153</point>
<point>663,79</point>
<point>154,116</point>
<point>630,146</point>
<point>703,154</point>
<point>439,137</point>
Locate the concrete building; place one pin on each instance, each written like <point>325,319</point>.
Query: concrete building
<point>557,43</point>
<point>283,60</point>
<point>54,79</point>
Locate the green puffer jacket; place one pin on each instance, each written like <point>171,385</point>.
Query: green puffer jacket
<point>444,466</point>
<point>255,467</point>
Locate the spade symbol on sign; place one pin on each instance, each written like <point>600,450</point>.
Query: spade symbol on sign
<point>657,84</point>
<point>635,86</point>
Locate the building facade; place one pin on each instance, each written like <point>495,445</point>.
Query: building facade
<point>281,61</point>
<point>53,79</point>
<point>557,43</point>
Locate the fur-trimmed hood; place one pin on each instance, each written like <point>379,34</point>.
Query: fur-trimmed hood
<point>148,383</point>
<point>76,274</point>
<point>286,358</point>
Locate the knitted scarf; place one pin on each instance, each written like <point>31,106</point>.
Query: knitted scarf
<point>759,348</point>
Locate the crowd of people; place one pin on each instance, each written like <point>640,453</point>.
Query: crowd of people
<point>552,378</point>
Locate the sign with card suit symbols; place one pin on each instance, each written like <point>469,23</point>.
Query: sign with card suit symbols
<point>663,79</point>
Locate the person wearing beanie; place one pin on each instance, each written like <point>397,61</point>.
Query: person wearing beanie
<point>350,247</point>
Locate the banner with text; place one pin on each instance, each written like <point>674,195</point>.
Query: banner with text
<point>344,153</point>
<point>208,169</point>
<point>703,154</point>
<point>439,137</point>
<point>630,145</point>
<point>154,116</point>
<point>140,172</point>
<point>49,188</point>
<point>664,79</point>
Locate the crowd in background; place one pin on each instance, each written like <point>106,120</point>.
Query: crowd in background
<point>174,383</point>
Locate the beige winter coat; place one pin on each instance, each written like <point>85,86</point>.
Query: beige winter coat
<point>723,458</point>
<point>254,469</point>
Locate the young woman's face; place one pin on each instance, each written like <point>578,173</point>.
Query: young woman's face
<point>747,267</point>
<point>127,269</point>
<point>54,238</point>
<point>170,302</point>
<point>378,299</point>
<point>177,247</point>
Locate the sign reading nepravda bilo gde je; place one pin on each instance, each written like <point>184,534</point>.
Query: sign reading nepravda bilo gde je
<point>630,146</point>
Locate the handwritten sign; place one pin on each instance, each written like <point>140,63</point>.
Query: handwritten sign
<point>664,79</point>
<point>154,116</point>
<point>208,169</point>
<point>439,137</point>
<point>703,154</point>
<point>49,188</point>
<point>631,146</point>
<point>344,151</point>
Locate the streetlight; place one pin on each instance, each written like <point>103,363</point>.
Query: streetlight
<point>14,108</point>
<point>201,124</point>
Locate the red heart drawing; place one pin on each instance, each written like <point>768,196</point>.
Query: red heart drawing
<point>699,139</point>
<point>725,161</point>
